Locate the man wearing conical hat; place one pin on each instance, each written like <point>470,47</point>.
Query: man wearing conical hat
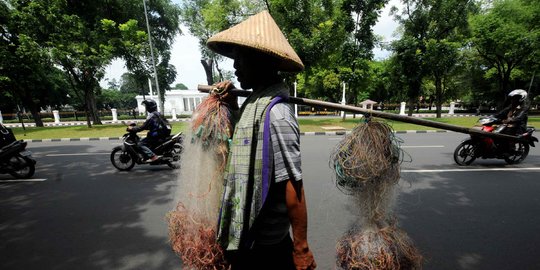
<point>263,195</point>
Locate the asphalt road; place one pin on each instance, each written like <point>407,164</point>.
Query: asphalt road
<point>80,213</point>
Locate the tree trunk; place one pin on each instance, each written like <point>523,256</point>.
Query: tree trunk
<point>34,110</point>
<point>503,87</point>
<point>207,65</point>
<point>411,106</point>
<point>37,117</point>
<point>90,100</point>
<point>439,95</point>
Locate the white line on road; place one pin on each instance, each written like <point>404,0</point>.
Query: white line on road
<point>422,146</point>
<point>472,170</point>
<point>76,154</point>
<point>403,146</point>
<point>23,180</point>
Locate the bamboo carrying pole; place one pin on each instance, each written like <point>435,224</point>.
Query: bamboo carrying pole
<point>391,116</point>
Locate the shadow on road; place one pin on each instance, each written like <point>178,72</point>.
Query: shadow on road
<point>87,215</point>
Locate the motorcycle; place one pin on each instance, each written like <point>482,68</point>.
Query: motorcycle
<point>125,157</point>
<point>477,146</point>
<point>16,160</point>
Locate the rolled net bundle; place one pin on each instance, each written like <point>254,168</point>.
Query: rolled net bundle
<point>192,224</point>
<point>366,166</point>
<point>377,249</point>
<point>370,153</point>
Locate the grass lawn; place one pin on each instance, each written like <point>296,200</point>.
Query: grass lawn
<point>81,131</point>
<point>306,125</point>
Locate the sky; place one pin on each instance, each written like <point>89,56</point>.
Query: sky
<point>185,55</point>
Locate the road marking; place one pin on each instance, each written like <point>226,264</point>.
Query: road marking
<point>76,154</point>
<point>24,180</point>
<point>472,170</point>
<point>403,146</point>
<point>422,146</point>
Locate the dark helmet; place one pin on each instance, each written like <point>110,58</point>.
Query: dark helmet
<point>150,105</point>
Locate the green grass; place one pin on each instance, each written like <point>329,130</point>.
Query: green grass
<point>306,125</point>
<point>81,131</point>
<point>314,124</point>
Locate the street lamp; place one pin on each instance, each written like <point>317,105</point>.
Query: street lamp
<point>160,103</point>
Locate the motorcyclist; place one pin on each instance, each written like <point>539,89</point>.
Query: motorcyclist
<point>158,130</point>
<point>515,115</point>
<point>6,136</point>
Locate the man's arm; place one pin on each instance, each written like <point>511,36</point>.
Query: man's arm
<point>519,117</point>
<point>145,126</point>
<point>297,211</point>
<point>503,114</point>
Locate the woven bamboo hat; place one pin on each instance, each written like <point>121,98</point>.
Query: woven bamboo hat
<point>259,32</point>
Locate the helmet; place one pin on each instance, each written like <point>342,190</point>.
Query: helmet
<point>518,92</point>
<point>150,105</point>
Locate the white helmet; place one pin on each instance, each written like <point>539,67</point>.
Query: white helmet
<point>519,92</point>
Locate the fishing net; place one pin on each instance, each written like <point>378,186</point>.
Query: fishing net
<point>386,248</point>
<point>192,224</point>
<point>366,165</point>
<point>370,153</point>
<point>194,240</point>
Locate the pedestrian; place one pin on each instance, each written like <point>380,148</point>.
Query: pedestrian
<point>263,194</point>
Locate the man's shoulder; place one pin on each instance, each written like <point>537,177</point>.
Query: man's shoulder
<point>283,111</point>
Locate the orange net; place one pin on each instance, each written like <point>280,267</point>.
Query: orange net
<point>194,240</point>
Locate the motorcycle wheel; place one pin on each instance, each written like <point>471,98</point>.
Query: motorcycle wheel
<point>176,153</point>
<point>464,153</point>
<point>518,153</point>
<point>22,167</point>
<point>121,160</point>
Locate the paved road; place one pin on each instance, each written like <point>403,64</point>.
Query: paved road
<point>81,213</point>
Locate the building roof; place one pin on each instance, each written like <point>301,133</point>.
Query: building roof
<point>368,101</point>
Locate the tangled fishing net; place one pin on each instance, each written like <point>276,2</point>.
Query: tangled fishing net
<point>372,248</point>
<point>369,154</point>
<point>194,241</point>
<point>366,165</point>
<point>192,224</point>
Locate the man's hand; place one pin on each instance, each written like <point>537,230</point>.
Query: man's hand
<point>304,260</point>
<point>223,89</point>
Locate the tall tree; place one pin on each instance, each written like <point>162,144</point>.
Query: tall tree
<point>407,68</point>
<point>28,77</point>
<point>359,19</point>
<point>78,36</point>
<point>204,18</point>
<point>505,35</point>
<point>438,27</point>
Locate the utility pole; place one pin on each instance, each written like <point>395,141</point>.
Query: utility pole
<point>160,102</point>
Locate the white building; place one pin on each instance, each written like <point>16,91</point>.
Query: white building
<point>179,101</point>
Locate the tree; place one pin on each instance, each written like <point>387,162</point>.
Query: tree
<point>204,18</point>
<point>407,68</point>
<point>181,86</point>
<point>359,19</point>
<point>84,36</point>
<point>506,35</point>
<point>163,18</point>
<point>129,83</point>
<point>438,28</point>
<point>28,77</point>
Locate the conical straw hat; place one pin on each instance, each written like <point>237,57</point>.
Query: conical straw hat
<point>259,32</point>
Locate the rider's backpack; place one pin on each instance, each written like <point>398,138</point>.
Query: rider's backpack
<point>6,136</point>
<point>164,127</point>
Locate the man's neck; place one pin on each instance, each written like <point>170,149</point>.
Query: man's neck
<point>266,84</point>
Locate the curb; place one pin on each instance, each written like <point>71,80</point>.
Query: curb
<point>328,133</point>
